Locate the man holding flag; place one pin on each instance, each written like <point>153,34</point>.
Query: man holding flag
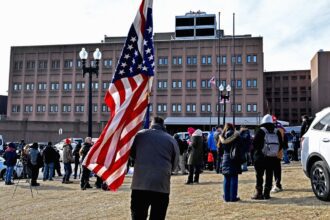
<point>156,155</point>
<point>127,99</point>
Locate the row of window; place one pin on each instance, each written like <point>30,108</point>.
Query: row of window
<point>107,63</point>
<point>55,108</point>
<point>207,60</point>
<point>250,83</point>
<point>285,78</point>
<point>293,99</point>
<point>56,64</point>
<point>191,107</point>
<point>54,86</point>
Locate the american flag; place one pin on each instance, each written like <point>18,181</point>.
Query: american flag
<point>212,81</point>
<point>127,98</point>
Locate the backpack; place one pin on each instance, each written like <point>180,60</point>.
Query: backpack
<point>237,153</point>
<point>272,144</point>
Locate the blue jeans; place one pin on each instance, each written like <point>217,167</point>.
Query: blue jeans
<point>48,171</point>
<point>9,173</point>
<point>68,171</point>
<point>230,187</point>
<point>285,156</point>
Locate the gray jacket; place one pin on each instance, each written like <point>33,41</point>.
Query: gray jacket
<point>156,155</point>
<point>67,154</point>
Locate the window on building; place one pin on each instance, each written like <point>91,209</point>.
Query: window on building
<point>95,108</point>
<point>28,108</point>
<point>68,64</point>
<point>251,58</point>
<point>42,64</point>
<point>205,108</point>
<point>54,86</point>
<point>17,87</point>
<point>41,108</point>
<point>239,59</point>
<point>42,86</point>
<point>209,60</point>
<point>162,84</point>
<point>29,86</point>
<point>107,63</point>
<point>251,83</point>
<point>162,61</point>
<point>105,85</point>
<point>18,65</point>
<point>239,83</point>
<point>95,85</point>
<point>79,108</point>
<point>53,108</point>
<point>79,64</point>
<point>105,108</point>
<point>285,78</point>
<point>30,65</point>
<point>294,77</point>
<point>67,86</point>
<point>176,60</point>
<point>80,86</point>
<point>56,64</point>
<point>176,107</point>
<point>179,60</point>
<point>15,108</point>
<point>66,108</point>
<point>203,60</point>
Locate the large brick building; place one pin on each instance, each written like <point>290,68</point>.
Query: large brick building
<point>288,94</point>
<point>46,83</point>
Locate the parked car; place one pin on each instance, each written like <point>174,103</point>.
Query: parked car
<point>185,135</point>
<point>315,154</point>
<point>18,169</point>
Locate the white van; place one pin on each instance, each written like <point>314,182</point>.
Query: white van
<point>1,143</point>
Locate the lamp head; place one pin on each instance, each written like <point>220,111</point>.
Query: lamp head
<point>97,54</point>
<point>228,88</point>
<point>83,54</point>
<point>221,88</point>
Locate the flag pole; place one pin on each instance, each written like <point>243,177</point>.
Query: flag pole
<point>218,101</point>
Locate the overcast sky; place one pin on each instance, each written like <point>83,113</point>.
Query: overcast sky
<point>292,30</point>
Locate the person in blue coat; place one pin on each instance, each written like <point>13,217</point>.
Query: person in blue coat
<point>230,168</point>
<point>212,147</point>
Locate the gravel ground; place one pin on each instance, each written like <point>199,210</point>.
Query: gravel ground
<point>54,200</point>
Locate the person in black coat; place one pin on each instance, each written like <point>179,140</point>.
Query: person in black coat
<point>49,157</point>
<point>76,159</point>
<point>230,168</point>
<point>84,181</point>
<point>263,163</point>
<point>305,125</point>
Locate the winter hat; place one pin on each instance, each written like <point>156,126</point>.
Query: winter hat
<point>11,145</point>
<point>198,132</point>
<point>267,119</point>
<point>191,130</point>
<point>67,141</point>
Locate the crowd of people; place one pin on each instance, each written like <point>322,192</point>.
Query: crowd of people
<point>47,159</point>
<point>157,156</point>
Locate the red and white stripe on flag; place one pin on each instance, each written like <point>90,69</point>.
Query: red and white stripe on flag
<point>127,99</point>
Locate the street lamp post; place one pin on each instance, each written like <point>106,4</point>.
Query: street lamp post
<point>224,97</point>
<point>83,54</point>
